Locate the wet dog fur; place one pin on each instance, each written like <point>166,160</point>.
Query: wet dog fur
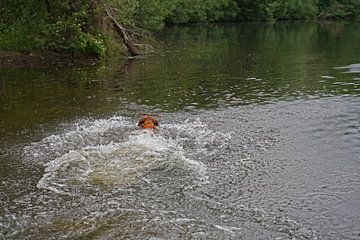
<point>148,121</point>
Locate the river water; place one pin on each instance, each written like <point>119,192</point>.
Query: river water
<point>258,139</point>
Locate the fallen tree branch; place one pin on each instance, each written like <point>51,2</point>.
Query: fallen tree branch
<point>122,33</point>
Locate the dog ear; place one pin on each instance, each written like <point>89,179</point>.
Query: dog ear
<point>141,122</point>
<point>156,122</point>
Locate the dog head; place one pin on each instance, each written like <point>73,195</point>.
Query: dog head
<point>148,122</point>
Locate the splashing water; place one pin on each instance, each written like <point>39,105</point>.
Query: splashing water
<point>109,152</point>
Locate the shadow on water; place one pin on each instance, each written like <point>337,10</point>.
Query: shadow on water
<point>259,138</point>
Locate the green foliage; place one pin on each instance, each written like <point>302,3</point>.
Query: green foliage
<point>156,14</point>
<point>251,10</point>
<point>339,9</point>
<point>55,25</point>
<point>20,12</point>
<point>79,26</point>
<point>152,14</point>
<point>18,38</point>
<point>296,9</point>
<point>69,31</point>
<point>125,10</point>
<point>291,9</point>
<point>202,11</point>
<point>20,23</point>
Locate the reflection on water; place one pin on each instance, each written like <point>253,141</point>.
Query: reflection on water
<point>258,139</point>
<point>203,67</point>
<point>352,68</point>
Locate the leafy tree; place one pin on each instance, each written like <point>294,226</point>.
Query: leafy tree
<point>339,9</point>
<point>80,26</point>
<point>291,9</point>
<point>202,11</point>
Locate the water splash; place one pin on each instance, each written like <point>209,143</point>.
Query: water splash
<point>110,152</point>
<point>77,135</point>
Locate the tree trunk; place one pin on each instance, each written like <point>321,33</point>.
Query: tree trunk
<point>122,33</point>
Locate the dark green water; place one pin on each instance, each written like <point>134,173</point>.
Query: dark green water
<point>259,139</point>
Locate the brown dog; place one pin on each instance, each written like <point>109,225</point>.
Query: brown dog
<point>148,122</point>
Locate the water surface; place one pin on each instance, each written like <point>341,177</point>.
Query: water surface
<point>259,139</point>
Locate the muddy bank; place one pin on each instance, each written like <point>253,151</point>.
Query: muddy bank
<point>42,59</point>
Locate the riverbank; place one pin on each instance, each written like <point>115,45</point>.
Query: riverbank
<point>103,28</point>
<point>42,59</point>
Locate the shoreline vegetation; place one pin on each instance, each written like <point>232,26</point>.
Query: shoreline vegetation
<point>58,30</point>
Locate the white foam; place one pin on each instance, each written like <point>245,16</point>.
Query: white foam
<point>227,229</point>
<point>116,163</point>
<point>150,141</point>
<point>77,135</point>
<point>112,152</point>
